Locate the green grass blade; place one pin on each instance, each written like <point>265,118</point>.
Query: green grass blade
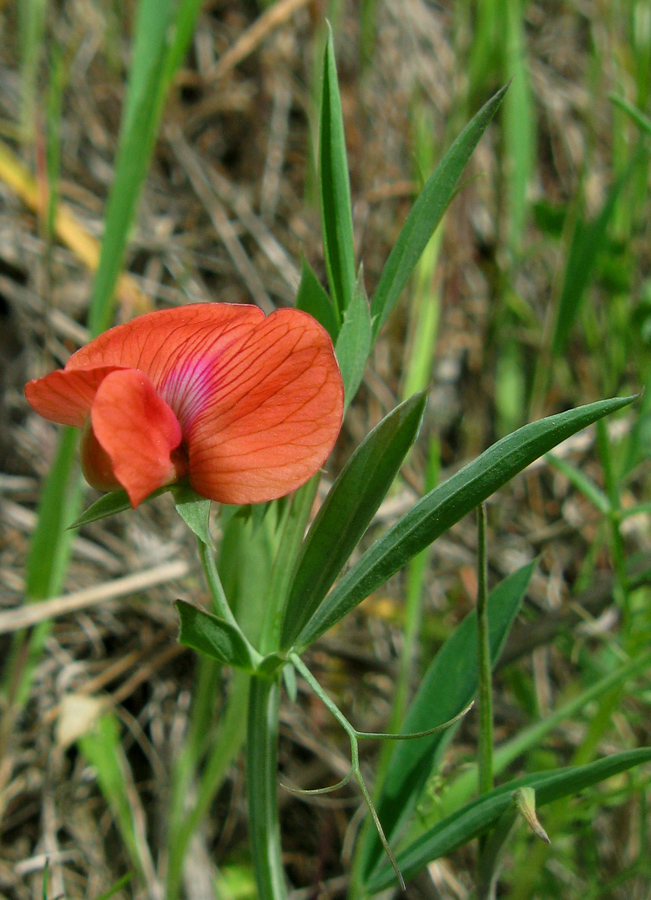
<point>354,341</point>
<point>587,241</point>
<point>157,53</point>
<point>581,482</point>
<point>148,50</point>
<point>336,216</point>
<point>31,29</point>
<point>139,125</point>
<point>447,504</point>
<point>519,129</point>
<point>446,690</point>
<point>50,546</point>
<point>476,818</point>
<point>119,884</point>
<point>643,122</point>
<point>103,750</point>
<point>464,786</point>
<point>347,511</point>
<point>427,213</point>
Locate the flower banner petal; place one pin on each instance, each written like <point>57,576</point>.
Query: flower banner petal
<point>66,397</point>
<point>138,431</point>
<point>268,416</point>
<point>171,339</point>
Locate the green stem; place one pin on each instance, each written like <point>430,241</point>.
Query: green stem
<point>261,758</point>
<point>484,661</point>
<point>221,606</point>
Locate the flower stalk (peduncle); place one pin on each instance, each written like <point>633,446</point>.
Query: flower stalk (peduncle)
<point>221,606</point>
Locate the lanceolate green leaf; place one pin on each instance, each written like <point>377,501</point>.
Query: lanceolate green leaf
<point>213,636</point>
<point>447,504</point>
<point>336,217</point>
<point>347,512</point>
<point>426,214</point>
<point>313,298</point>
<point>354,341</point>
<point>475,818</point>
<point>446,690</point>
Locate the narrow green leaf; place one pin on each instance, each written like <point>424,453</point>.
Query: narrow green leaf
<point>477,817</point>
<point>426,213</point>
<point>355,340</point>
<point>336,216</point>
<point>449,685</point>
<point>447,504</point>
<point>213,636</point>
<point>347,511</point>
<point>60,500</point>
<point>194,510</point>
<point>110,505</point>
<point>312,298</point>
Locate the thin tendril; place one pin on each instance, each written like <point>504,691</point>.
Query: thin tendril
<point>354,754</point>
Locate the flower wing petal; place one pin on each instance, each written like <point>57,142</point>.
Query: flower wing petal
<point>138,431</point>
<point>271,416</point>
<point>66,397</point>
<point>169,340</point>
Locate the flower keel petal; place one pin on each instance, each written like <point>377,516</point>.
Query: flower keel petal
<point>138,432</point>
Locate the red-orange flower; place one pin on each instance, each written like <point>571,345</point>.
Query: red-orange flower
<point>247,407</point>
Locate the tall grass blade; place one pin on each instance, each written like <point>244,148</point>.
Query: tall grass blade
<point>476,818</point>
<point>519,129</point>
<point>587,241</point>
<point>60,500</point>
<point>137,132</point>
